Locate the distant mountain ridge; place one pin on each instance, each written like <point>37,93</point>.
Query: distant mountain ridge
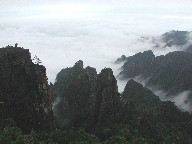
<point>171,73</point>
<point>181,39</point>
<point>174,39</point>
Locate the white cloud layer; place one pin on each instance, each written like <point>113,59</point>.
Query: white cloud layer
<point>97,32</point>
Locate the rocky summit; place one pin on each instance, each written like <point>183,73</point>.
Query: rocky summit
<point>85,97</point>
<point>24,90</point>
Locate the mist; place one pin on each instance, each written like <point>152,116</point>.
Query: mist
<point>97,32</point>
<point>60,44</point>
<point>181,100</point>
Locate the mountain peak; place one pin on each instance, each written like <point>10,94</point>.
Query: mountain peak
<point>79,64</point>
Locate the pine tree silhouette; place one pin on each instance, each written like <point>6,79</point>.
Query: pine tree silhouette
<point>36,60</point>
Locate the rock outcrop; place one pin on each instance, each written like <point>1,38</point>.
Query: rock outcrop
<point>86,99</point>
<point>73,87</point>
<point>24,90</point>
<point>105,98</point>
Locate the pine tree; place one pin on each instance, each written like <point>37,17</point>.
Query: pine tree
<point>36,60</point>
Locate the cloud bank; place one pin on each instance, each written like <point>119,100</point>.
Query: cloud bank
<point>97,32</point>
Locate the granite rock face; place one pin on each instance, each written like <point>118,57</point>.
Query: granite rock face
<point>71,92</point>
<point>85,98</point>
<point>24,91</point>
<point>105,99</point>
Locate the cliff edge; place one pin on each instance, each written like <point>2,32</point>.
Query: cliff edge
<point>24,91</point>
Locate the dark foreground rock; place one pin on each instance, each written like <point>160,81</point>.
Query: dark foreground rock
<point>85,98</point>
<point>24,91</point>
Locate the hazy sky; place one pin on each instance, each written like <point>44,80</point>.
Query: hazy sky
<point>96,31</point>
<point>58,8</point>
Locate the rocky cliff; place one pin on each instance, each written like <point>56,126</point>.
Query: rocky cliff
<point>72,91</point>
<point>24,91</point>
<point>105,99</point>
<point>86,99</point>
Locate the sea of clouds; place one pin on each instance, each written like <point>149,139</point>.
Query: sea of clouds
<point>97,32</point>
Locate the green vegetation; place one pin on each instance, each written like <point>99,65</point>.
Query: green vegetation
<point>36,60</point>
<point>11,134</point>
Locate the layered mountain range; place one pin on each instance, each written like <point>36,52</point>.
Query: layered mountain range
<point>174,40</point>
<point>168,75</point>
<point>92,101</point>
<point>83,99</point>
<point>171,72</point>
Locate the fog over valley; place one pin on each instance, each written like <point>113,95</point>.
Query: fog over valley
<point>97,32</point>
<point>96,71</point>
